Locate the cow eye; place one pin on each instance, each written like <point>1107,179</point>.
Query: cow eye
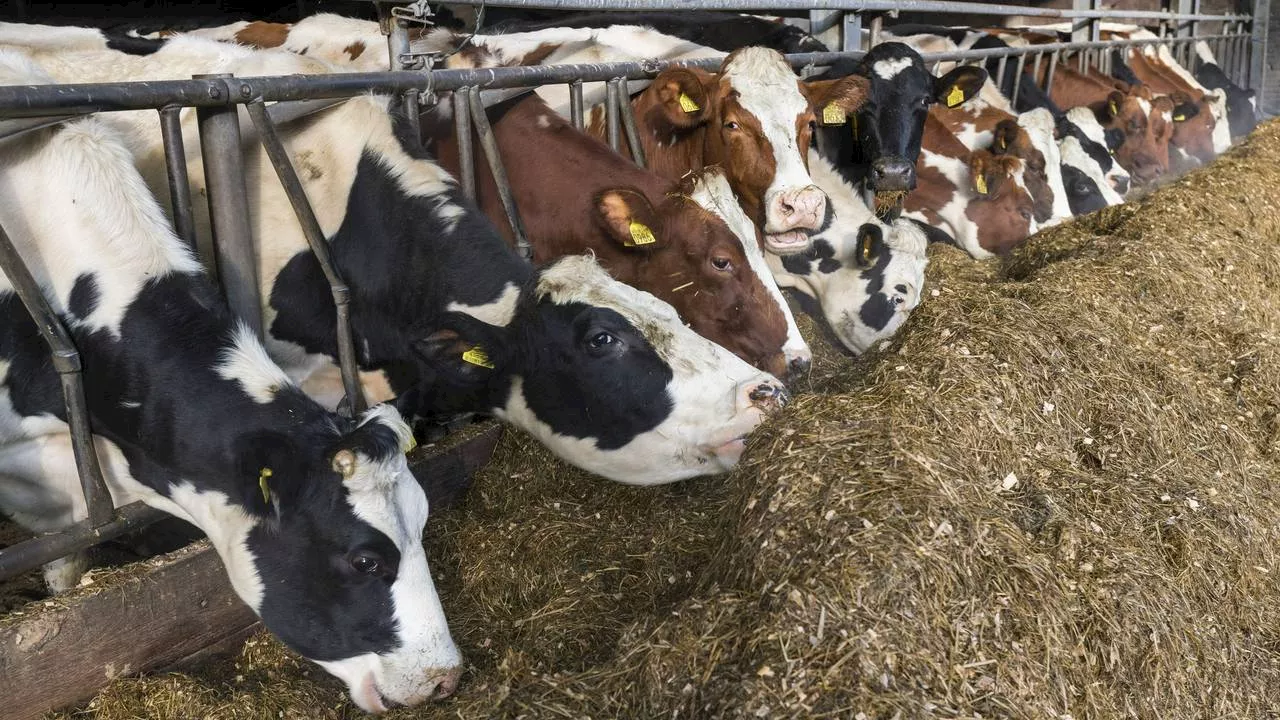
<point>721,263</point>
<point>731,125</point>
<point>1025,213</point>
<point>601,340</point>
<point>366,563</point>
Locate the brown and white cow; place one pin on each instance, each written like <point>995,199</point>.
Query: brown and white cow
<point>972,199</point>
<point>576,195</point>
<point>1193,121</point>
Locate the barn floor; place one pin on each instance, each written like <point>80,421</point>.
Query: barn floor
<point>1051,496</point>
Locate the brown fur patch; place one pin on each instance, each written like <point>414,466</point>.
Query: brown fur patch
<point>355,49</point>
<point>261,34</point>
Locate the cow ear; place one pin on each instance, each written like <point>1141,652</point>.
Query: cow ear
<point>958,86</point>
<point>986,174</point>
<point>870,245</point>
<point>682,95</point>
<point>1004,136</point>
<point>1115,101</point>
<point>458,356</point>
<point>270,472</point>
<point>833,101</point>
<point>628,218</point>
<point>1184,109</point>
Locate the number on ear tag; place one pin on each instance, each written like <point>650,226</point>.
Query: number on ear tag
<point>833,114</point>
<point>980,184</point>
<point>955,97</point>
<point>477,356</point>
<point>687,104</point>
<point>641,234</point>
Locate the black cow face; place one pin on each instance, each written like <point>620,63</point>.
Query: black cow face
<point>1082,192</point>
<point>879,144</point>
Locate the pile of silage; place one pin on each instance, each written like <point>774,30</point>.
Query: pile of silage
<point>1051,496</point>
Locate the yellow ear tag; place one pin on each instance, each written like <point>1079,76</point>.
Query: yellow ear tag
<point>411,444</point>
<point>955,97</point>
<point>833,114</point>
<point>1179,117</point>
<point>477,356</point>
<point>1115,109</point>
<point>641,234</point>
<point>263,474</point>
<point>866,248</point>
<point>687,104</point>
<point>980,184</point>
<point>1001,143</point>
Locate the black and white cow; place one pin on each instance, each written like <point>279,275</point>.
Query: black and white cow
<point>864,276</point>
<point>877,147</point>
<point>316,517</point>
<point>724,31</point>
<point>1242,103</point>
<point>451,317</point>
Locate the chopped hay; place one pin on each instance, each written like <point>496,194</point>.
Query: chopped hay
<point>1049,497</point>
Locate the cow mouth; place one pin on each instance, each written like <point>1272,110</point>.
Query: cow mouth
<point>889,202</point>
<point>729,453</point>
<point>787,243</point>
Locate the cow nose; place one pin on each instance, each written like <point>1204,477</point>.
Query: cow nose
<point>766,393</point>
<point>1120,183</point>
<point>445,684</point>
<point>797,368</point>
<point>801,208</point>
<point>892,174</point>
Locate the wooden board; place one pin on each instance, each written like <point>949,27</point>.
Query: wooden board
<point>176,612</point>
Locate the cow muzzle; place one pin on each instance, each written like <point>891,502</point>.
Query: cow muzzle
<point>1120,183</point>
<point>790,218</point>
<point>892,174</point>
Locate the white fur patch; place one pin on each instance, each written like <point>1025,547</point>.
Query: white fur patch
<point>245,361</point>
<point>1039,124</point>
<point>498,312</point>
<point>889,69</point>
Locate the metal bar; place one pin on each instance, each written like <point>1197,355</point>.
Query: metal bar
<point>1258,50</point>
<point>45,548</point>
<point>1035,67</point>
<point>1053,65</point>
<point>611,114</point>
<point>1000,83</point>
<point>175,158</point>
<point>413,115</point>
<point>466,151</point>
<point>775,6</point>
<point>877,24</point>
<point>1017,79</point>
<point>229,210</point>
<point>319,245</point>
<point>43,100</point>
<point>397,43</point>
<point>489,145</point>
<point>629,123</point>
<point>575,104</point>
<point>66,361</point>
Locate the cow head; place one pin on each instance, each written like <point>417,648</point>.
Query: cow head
<point>687,256</point>
<point>756,124</point>
<point>326,545</point>
<point>1083,179</point>
<point>1193,125</point>
<point>1000,204</point>
<point>864,276</point>
<point>1009,138</point>
<point>1098,143</point>
<point>608,377</point>
<point>879,144</point>
<point>1144,150</point>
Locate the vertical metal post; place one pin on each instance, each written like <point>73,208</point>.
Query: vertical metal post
<point>575,104</point>
<point>851,32</point>
<point>175,161</point>
<point>1053,65</point>
<point>877,24</point>
<point>397,43</point>
<point>229,207</point>
<point>1017,79</point>
<point>1000,84</point>
<point>611,114</point>
<point>297,195</point>
<point>66,361</point>
<point>489,145</point>
<point>413,114</point>
<point>1035,67</point>
<point>629,123</point>
<point>466,151</point>
<point>1258,49</point>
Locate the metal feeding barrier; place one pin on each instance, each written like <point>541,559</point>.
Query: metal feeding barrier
<point>229,256</point>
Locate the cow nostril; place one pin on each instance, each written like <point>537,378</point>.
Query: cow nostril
<point>798,366</point>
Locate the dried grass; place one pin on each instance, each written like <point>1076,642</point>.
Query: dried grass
<point>1051,496</point>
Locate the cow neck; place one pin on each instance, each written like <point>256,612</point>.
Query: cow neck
<point>555,171</point>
